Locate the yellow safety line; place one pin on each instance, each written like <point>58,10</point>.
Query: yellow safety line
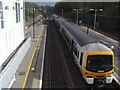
<point>26,77</point>
<point>103,35</point>
<point>116,67</point>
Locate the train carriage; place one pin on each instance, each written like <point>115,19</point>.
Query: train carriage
<point>94,59</point>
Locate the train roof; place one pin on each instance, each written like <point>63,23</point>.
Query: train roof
<point>96,47</point>
<point>79,36</point>
<point>88,43</point>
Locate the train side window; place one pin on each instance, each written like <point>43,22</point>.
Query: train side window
<point>81,57</point>
<point>17,6</point>
<point>1,16</point>
<point>76,52</point>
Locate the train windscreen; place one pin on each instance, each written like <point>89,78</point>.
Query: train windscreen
<point>99,63</point>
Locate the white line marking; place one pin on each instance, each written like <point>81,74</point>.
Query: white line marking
<point>40,84</point>
<point>41,74</point>
<point>116,79</point>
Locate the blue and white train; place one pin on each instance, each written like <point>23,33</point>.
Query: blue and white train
<point>94,59</point>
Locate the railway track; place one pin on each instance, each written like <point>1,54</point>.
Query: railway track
<point>60,70</point>
<point>55,74</point>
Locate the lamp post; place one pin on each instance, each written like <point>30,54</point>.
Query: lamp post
<point>34,12</point>
<point>28,14</point>
<point>96,10</point>
<point>33,23</point>
<point>77,13</point>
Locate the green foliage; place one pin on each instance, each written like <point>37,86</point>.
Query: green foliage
<point>30,5</point>
<point>29,10</point>
<point>108,19</point>
<point>110,8</point>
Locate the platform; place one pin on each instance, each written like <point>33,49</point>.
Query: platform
<point>26,67</point>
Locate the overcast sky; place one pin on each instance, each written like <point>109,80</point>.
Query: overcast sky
<point>73,0</point>
<point>45,3</point>
<point>52,2</point>
<point>43,0</point>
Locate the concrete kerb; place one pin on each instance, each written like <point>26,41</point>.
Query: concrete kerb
<point>42,65</point>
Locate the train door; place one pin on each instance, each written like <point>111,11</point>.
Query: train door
<point>76,53</point>
<point>72,45</point>
<point>81,59</point>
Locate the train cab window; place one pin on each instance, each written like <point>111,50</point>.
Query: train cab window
<point>1,16</point>
<point>99,62</point>
<point>17,5</point>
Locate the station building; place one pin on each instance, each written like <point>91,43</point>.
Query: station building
<point>12,41</point>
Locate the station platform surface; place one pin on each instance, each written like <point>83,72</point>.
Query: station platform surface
<point>25,67</point>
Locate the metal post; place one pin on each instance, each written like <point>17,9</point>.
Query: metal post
<point>33,25</point>
<point>88,25</point>
<point>77,12</point>
<point>38,15</point>
<point>95,19</point>
<point>77,17</point>
<point>87,29</point>
<point>28,14</point>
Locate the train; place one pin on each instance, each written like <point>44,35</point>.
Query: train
<point>94,59</point>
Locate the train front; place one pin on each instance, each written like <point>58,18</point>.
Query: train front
<point>99,67</point>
